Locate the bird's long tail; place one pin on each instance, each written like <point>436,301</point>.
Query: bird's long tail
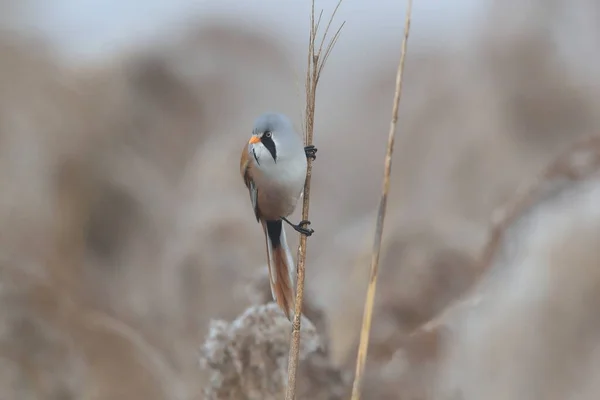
<point>281,266</point>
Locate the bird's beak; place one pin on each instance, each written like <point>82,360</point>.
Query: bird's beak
<point>254,139</point>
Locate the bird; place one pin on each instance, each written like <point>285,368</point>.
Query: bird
<point>273,166</point>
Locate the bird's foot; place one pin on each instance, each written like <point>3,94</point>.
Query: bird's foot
<point>300,227</point>
<point>311,152</point>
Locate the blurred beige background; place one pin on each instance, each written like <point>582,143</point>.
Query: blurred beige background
<point>126,227</point>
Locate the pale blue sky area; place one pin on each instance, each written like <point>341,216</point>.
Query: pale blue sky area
<point>94,27</point>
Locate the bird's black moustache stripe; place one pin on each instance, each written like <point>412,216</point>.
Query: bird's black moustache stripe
<point>254,154</point>
<point>268,142</point>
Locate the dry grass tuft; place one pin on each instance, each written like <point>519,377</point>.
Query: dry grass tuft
<point>246,359</point>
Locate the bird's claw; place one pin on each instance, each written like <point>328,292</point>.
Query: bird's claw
<point>311,152</point>
<point>300,226</point>
<point>301,229</point>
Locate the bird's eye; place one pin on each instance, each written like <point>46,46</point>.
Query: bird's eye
<point>267,134</point>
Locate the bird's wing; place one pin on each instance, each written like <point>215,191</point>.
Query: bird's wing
<point>245,170</point>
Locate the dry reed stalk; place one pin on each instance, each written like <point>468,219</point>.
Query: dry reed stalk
<point>566,166</point>
<point>316,61</point>
<point>577,163</point>
<point>370,299</point>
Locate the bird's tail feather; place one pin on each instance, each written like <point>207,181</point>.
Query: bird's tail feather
<point>281,266</point>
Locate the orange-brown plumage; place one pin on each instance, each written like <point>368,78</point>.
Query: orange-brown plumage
<point>279,259</point>
<point>279,276</point>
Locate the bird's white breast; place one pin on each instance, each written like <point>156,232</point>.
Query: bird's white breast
<point>280,182</point>
<point>288,171</point>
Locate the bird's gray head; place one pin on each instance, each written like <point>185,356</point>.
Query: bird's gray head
<point>273,136</point>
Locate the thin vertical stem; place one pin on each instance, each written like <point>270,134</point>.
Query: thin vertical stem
<point>315,64</point>
<point>369,302</point>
